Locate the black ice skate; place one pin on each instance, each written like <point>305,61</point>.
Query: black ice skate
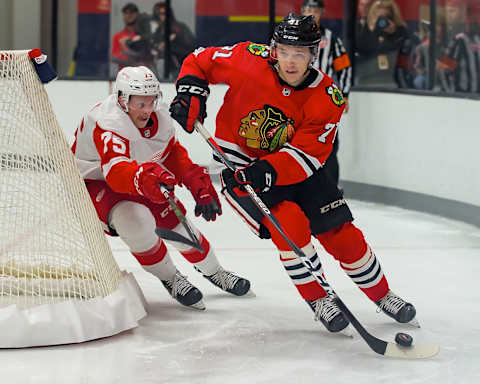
<point>327,311</point>
<point>184,292</point>
<point>229,282</point>
<point>397,308</point>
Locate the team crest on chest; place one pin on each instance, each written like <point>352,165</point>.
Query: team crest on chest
<point>268,128</point>
<point>335,95</point>
<point>258,50</point>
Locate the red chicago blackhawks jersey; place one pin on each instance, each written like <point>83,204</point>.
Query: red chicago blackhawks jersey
<point>108,146</point>
<point>293,128</point>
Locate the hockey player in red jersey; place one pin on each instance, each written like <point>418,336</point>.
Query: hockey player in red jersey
<point>277,124</point>
<point>126,149</point>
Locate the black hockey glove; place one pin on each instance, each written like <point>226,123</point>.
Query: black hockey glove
<point>260,175</point>
<point>190,103</point>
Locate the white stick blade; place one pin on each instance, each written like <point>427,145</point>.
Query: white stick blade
<point>419,351</point>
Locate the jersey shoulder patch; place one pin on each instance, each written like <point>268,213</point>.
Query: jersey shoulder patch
<point>259,50</point>
<point>335,95</point>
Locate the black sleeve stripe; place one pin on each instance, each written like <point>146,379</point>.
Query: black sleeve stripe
<point>238,165</point>
<point>236,154</point>
<point>302,155</point>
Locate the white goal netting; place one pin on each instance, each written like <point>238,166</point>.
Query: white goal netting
<point>52,246</point>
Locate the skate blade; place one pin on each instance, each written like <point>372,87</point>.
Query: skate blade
<point>250,293</point>
<point>199,306</point>
<point>414,322</point>
<point>347,331</point>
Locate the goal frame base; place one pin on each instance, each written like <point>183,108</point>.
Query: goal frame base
<point>73,321</point>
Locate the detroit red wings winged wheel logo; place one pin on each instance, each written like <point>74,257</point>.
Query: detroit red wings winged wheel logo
<point>268,128</point>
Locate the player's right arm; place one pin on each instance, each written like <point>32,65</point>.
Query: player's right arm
<point>123,174</point>
<point>205,66</point>
<point>214,64</point>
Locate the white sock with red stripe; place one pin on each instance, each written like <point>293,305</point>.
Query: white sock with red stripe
<point>157,261</point>
<point>205,261</point>
<point>368,275</point>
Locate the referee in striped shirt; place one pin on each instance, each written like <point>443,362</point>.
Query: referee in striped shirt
<point>332,58</point>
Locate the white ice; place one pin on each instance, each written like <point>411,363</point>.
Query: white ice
<point>272,338</point>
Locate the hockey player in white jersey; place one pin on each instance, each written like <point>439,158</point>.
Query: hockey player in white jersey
<point>127,150</point>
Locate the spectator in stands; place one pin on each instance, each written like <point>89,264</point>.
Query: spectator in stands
<point>456,68</point>
<point>405,72</point>
<point>182,40</point>
<point>130,47</point>
<point>362,13</point>
<point>422,57</point>
<point>378,44</point>
<point>474,33</point>
<point>331,58</point>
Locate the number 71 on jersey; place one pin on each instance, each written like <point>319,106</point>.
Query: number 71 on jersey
<point>328,128</point>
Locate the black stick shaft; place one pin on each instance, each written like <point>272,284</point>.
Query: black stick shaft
<point>377,345</point>
<point>253,196</point>
<point>181,217</point>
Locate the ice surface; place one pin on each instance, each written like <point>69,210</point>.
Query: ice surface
<point>272,338</point>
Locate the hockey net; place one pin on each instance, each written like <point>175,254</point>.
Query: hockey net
<point>52,246</point>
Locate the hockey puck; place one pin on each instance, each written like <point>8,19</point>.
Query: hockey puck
<point>403,339</point>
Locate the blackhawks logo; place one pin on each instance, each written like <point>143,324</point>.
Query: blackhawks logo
<point>336,95</point>
<point>268,128</point>
<point>258,50</point>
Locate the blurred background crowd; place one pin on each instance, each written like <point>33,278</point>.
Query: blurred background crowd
<point>425,45</point>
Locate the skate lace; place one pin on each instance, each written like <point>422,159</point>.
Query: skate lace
<point>391,303</point>
<point>180,285</point>
<point>325,308</point>
<point>225,279</point>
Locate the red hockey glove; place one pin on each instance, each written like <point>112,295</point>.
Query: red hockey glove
<point>190,102</point>
<point>198,182</point>
<point>260,175</point>
<point>148,179</point>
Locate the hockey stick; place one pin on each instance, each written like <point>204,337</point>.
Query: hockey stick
<point>167,234</point>
<point>251,193</point>
<point>173,236</point>
<point>416,351</point>
<point>379,346</point>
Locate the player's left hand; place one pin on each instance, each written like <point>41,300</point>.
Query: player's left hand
<point>260,175</point>
<point>197,180</point>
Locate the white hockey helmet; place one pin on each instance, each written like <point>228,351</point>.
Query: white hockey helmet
<point>136,81</point>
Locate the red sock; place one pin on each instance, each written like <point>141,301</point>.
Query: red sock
<point>194,255</point>
<point>347,244</point>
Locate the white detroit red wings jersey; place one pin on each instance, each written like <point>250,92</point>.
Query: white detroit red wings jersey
<point>257,101</point>
<point>108,146</point>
